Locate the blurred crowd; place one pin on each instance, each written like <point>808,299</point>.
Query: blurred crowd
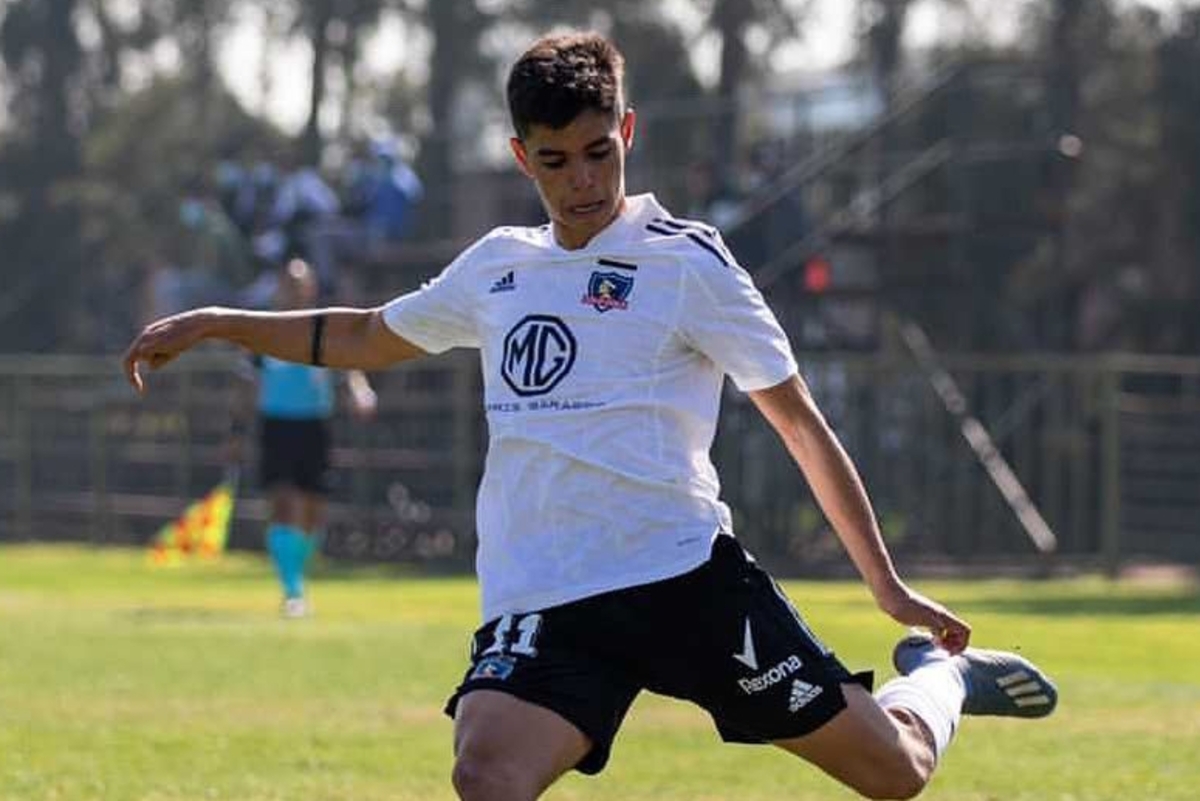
<point>245,217</point>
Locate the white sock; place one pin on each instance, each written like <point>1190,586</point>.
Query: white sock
<point>934,692</point>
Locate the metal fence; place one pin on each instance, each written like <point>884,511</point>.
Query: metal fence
<point>1106,446</point>
<point>82,457</point>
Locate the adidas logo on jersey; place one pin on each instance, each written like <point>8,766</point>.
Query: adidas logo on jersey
<point>802,694</point>
<point>505,283</point>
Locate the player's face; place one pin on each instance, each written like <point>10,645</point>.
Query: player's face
<point>297,288</point>
<point>579,171</point>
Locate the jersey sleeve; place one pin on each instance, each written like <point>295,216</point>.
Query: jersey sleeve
<point>725,317</point>
<point>441,314</point>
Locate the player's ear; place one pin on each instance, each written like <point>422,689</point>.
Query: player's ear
<point>628,125</point>
<point>521,155</point>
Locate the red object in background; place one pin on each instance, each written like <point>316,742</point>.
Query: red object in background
<point>818,274</point>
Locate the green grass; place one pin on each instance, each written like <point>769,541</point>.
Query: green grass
<point>122,682</point>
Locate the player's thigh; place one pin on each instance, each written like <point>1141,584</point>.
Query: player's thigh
<point>548,660</point>
<point>499,737</point>
<point>728,638</point>
<point>287,504</point>
<point>866,748</point>
<point>314,511</point>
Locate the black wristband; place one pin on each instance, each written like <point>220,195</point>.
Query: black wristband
<point>318,339</point>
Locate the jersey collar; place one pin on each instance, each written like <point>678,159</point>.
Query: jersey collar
<point>638,210</point>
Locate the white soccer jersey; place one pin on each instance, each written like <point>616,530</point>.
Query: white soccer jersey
<point>603,369</point>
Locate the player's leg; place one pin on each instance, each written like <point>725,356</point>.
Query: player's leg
<point>301,506</point>
<point>888,746</point>
<point>313,516</point>
<point>768,678</point>
<point>542,696</point>
<point>280,450</point>
<point>312,478</point>
<point>506,749</point>
<point>287,544</point>
<point>878,752</point>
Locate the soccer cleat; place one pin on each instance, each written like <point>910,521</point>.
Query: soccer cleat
<point>997,682</point>
<point>294,608</point>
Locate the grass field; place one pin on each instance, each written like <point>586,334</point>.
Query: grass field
<point>120,682</point>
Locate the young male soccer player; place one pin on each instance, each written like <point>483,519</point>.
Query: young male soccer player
<point>606,561</point>
<point>294,404</point>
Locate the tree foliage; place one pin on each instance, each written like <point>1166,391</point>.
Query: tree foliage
<point>102,128</point>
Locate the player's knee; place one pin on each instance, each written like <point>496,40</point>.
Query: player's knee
<point>897,780</point>
<point>481,779</point>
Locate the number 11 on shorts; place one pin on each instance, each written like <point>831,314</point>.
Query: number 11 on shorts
<point>527,628</point>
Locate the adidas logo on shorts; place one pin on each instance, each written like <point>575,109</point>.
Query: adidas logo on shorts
<point>802,694</point>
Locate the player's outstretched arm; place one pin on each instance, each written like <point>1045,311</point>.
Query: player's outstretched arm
<point>791,411</point>
<point>337,337</point>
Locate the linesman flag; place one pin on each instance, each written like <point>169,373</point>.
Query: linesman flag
<point>201,531</point>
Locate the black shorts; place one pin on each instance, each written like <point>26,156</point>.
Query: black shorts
<point>722,636</point>
<point>295,453</point>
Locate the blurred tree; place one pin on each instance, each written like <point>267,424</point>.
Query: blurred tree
<point>749,32</point>
<point>315,17</point>
<point>1101,178</point>
<point>880,30</point>
<point>144,153</point>
<point>195,27</point>
<point>356,18</point>
<point>47,111</point>
<point>334,31</point>
<point>665,89</point>
<point>881,26</point>
<point>141,160</point>
<point>457,28</point>
<point>121,36</point>
<point>1117,270</point>
<point>1179,103</point>
<point>68,63</point>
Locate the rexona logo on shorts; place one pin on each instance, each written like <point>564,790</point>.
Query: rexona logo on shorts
<point>764,681</point>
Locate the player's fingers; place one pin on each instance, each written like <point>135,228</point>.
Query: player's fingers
<point>132,373</point>
<point>951,633</point>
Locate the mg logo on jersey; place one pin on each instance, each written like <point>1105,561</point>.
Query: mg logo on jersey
<point>608,290</point>
<point>539,351</point>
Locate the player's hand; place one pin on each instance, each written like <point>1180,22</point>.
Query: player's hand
<point>363,400</point>
<point>160,342</point>
<point>364,404</point>
<point>911,608</point>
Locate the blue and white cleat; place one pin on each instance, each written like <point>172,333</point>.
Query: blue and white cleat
<point>997,682</point>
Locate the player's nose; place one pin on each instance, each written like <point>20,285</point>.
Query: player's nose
<point>582,176</point>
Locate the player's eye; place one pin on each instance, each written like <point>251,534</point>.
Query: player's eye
<point>600,155</point>
<point>554,164</point>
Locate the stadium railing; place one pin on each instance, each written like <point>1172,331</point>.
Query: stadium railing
<point>1105,445</point>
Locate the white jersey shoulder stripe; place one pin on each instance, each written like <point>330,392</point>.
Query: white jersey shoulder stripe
<point>701,235</point>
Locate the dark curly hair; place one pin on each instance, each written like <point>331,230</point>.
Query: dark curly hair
<point>562,75</point>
